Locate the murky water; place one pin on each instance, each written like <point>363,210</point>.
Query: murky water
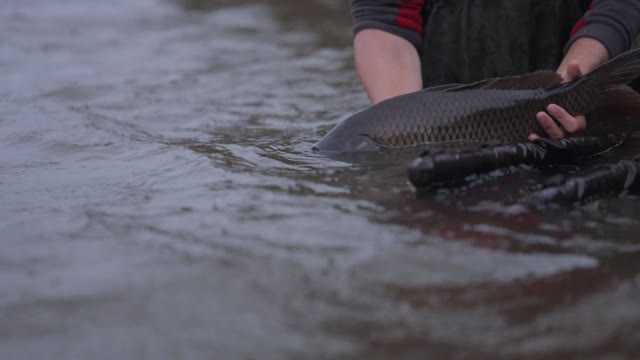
<point>159,200</point>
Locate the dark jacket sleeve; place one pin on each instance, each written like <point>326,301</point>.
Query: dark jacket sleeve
<point>399,17</point>
<point>615,23</point>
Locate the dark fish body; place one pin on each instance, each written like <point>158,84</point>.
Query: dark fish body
<point>501,109</point>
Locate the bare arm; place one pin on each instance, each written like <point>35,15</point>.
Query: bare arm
<point>388,65</point>
<point>387,34</point>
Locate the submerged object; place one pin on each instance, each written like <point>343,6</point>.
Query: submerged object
<point>441,167</point>
<point>499,109</point>
<point>608,179</point>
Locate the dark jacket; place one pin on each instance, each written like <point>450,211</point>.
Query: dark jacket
<point>468,40</point>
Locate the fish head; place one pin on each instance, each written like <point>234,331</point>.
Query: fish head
<point>351,135</point>
<point>339,144</point>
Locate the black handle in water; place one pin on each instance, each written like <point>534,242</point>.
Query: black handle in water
<point>430,169</point>
<point>609,179</point>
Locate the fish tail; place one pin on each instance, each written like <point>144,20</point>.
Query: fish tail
<point>611,80</point>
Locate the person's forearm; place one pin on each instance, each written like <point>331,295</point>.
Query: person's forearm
<point>587,52</point>
<point>388,65</point>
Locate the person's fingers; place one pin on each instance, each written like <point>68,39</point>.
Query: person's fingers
<point>570,123</point>
<point>573,71</point>
<point>550,126</point>
<point>557,122</point>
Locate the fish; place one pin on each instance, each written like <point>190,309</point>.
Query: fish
<point>496,110</point>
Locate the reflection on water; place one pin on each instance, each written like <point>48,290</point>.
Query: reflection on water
<point>160,200</point>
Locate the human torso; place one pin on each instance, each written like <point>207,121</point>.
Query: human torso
<point>470,40</point>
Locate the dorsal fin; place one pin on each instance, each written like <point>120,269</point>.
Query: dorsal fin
<point>531,81</point>
<point>535,80</point>
<point>460,87</point>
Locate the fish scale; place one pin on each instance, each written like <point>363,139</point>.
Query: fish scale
<point>472,120</point>
<point>500,109</point>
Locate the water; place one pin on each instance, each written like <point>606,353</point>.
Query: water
<point>159,200</point>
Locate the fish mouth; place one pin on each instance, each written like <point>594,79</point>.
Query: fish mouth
<point>358,143</point>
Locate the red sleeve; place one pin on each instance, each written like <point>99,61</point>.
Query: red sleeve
<point>614,23</point>
<point>410,15</point>
<point>580,24</point>
<point>399,17</point>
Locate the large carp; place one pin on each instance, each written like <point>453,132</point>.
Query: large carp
<point>498,109</point>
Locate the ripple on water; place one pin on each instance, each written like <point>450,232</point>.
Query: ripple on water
<point>159,197</point>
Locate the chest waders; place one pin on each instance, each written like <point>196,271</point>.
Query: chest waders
<point>469,40</point>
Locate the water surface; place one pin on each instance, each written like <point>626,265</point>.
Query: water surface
<point>159,200</point>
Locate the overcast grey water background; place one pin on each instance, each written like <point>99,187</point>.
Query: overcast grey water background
<point>159,200</point>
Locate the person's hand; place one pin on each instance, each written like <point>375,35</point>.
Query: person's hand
<point>557,122</point>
